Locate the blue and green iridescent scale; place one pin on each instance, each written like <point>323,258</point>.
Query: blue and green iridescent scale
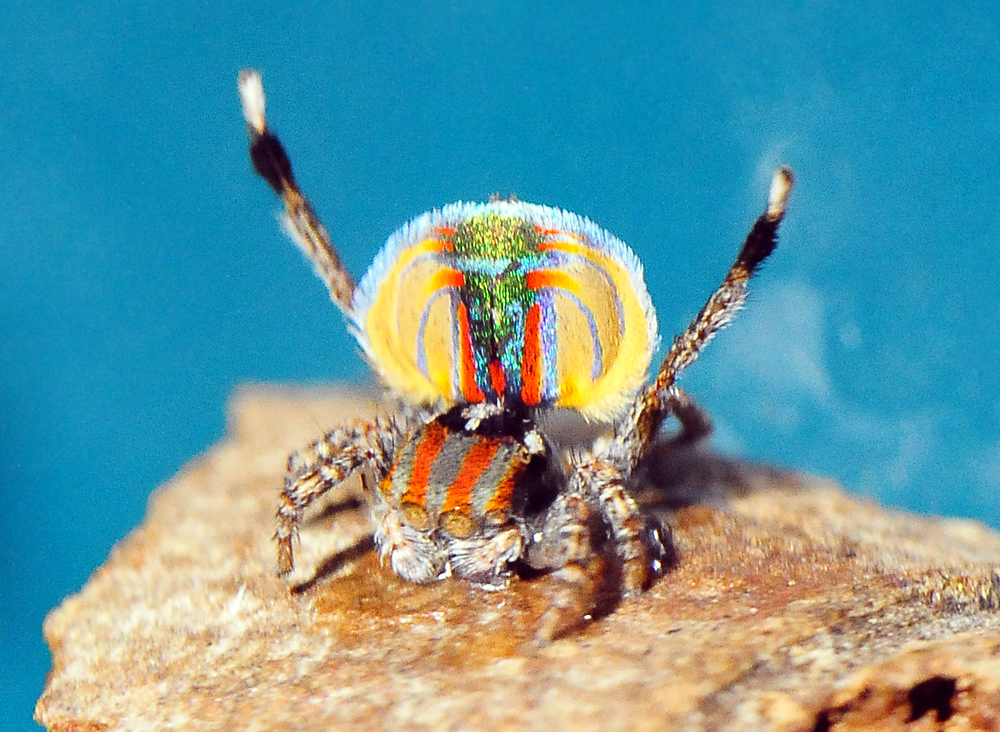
<point>495,254</point>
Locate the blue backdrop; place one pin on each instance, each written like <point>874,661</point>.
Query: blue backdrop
<point>142,276</point>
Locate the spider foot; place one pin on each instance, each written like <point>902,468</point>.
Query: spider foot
<point>572,602</point>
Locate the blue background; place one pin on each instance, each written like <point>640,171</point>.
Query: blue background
<point>142,276</point>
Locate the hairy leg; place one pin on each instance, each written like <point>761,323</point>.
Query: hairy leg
<point>327,463</point>
<point>635,432</point>
<point>695,422</point>
<point>487,559</point>
<point>303,225</point>
<point>565,545</point>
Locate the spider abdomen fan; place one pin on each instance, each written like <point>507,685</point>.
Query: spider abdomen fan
<point>507,302</point>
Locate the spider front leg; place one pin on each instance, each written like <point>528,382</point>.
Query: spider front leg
<point>634,433</point>
<point>326,464</point>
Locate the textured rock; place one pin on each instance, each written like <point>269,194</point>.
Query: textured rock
<point>793,606</point>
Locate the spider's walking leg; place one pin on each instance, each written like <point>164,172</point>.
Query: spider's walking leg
<point>635,432</point>
<point>629,528</point>
<point>272,164</point>
<point>566,546</point>
<point>329,462</point>
<point>594,503</point>
<point>695,422</point>
<point>640,542</point>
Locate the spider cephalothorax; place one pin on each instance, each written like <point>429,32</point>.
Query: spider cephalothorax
<point>478,318</point>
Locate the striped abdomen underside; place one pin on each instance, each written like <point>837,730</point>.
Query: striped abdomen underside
<point>508,303</point>
<point>456,480</point>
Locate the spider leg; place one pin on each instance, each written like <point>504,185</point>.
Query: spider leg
<point>695,422</point>
<point>326,464</point>
<point>636,430</point>
<point>566,546</point>
<point>595,504</point>
<point>272,164</point>
<point>627,526</point>
<point>486,559</point>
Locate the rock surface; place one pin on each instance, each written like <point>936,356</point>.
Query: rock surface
<point>793,606</point>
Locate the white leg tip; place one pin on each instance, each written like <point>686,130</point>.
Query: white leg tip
<point>781,186</point>
<point>252,96</point>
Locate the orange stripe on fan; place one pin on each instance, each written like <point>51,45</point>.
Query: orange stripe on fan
<point>541,278</point>
<point>445,278</point>
<point>553,233</point>
<point>435,245</point>
<point>423,460</point>
<point>477,459</point>
<point>531,357</point>
<point>466,364</point>
<point>498,379</point>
